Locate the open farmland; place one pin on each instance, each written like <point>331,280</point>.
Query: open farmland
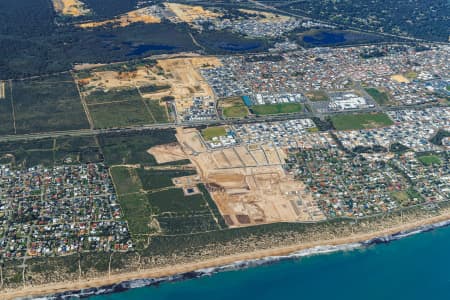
<point>361,121</point>
<point>47,104</point>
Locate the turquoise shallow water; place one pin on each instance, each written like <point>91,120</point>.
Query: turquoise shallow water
<point>417,267</point>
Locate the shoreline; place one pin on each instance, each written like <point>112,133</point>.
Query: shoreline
<point>124,281</point>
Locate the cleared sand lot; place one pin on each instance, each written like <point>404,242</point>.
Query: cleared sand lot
<point>189,13</point>
<point>400,78</point>
<point>245,156</point>
<point>101,79</point>
<point>143,15</point>
<point>249,186</point>
<point>167,153</point>
<point>72,8</point>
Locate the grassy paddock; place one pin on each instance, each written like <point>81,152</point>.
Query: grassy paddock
<point>158,112</point>
<point>234,107</point>
<point>50,151</point>
<point>380,97</point>
<point>137,212</point>
<point>120,114</point>
<point>317,96</point>
<point>361,121</point>
<point>126,180</point>
<point>156,179</point>
<point>174,201</point>
<point>113,95</point>
<point>240,111</point>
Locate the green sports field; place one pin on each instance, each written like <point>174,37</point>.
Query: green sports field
<point>273,109</point>
<point>211,132</point>
<point>429,160</point>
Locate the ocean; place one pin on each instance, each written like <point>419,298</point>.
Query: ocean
<point>414,267</point>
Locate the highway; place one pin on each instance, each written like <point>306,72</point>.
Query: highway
<point>271,118</point>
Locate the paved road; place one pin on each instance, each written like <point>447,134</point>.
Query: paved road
<point>273,118</point>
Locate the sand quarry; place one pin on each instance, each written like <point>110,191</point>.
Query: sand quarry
<point>2,90</point>
<point>181,75</point>
<point>72,8</point>
<point>143,15</point>
<point>249,184</point>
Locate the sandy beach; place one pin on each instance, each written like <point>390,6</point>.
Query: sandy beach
<point>53,288</point>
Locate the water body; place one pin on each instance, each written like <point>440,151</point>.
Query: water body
<point>331,38</point>
<point>142,49</point>
<point>238,47</point>
<point>416,267</point>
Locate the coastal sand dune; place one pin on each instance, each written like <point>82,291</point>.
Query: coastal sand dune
<point>209,263</point>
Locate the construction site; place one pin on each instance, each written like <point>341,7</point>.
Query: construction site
<point>248,182</point>
<point>185,79</point>
<point>178,79</point>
